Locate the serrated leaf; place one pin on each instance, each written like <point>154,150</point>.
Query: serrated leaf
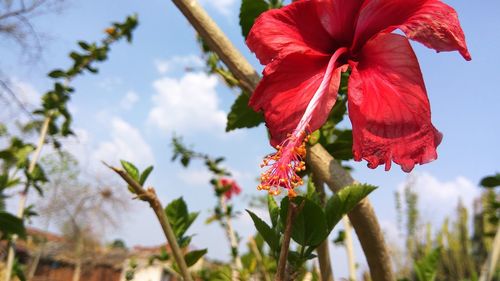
<point>272,238</point>
<point>343,201</point>
<point>10,224</point>
<point>145,174</point>
<point>192,257</point>
<point>241,115</point>
<point>131,169</point>
<point>309,225</point>
<point>179,217</point>
<point>249,11</point>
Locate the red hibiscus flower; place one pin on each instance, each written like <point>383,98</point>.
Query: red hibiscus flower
<point>308,44</point>
<point>231,187</point>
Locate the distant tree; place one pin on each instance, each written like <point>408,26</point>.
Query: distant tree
<point>82,206</point>
<point>118,244</point>
<point>16,22</point>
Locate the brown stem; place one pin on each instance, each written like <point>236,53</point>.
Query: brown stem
<point>285,245</point>
<point>362,217</point>
<point>323,251</point>
<point>374,247</point>
<point>325,266</point>
<point>149,195</point>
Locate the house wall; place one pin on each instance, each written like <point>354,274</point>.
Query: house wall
<point>63,272</point>
<point>147,273</point>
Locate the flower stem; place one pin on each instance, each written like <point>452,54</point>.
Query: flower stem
<point>149,195</point>
<point>285,245</point>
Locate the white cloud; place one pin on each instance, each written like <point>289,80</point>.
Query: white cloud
<point>222,6</point>
<point>438,199</point>
<point>110,83</point>
<point>126,143</point>
<point>178,62</point>
<point>129,100</point>
<point>25,93</point>
<point>187,105</point>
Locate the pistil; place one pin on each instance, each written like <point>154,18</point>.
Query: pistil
<point>288,161</point>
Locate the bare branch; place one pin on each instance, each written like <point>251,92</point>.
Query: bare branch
<point>149,195</point>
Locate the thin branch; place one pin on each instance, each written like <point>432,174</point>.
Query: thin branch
<point>233,242</point>
<point>22,10</point>
<point>351,260</point>
<point>362,217</point>
<point>285,245</point>
<point>24,195</point>
<point>149,195</point>
<point>253,248</point>
<point>323,251</point>
<point>219,43</point>
<point>19,103</point>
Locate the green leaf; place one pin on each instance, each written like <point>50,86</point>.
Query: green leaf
<point>10,224</point>
<point>309,226</point>
<point>274,210</point>
<point>18,270</point>
<point>426,268</point>
<point>192,257</point>
<point>145,175</point>
<point>38,175</point>
<point>57,74</point>
<point>241,115</point>
<point>179,217</point>
<point>491,181</point>
<point>311,191</point>
<point>3,130</point>
<point>84,45</point>
<point>272,238</point>
<point>249,11</point>
<point>131,169</point>
<point>343,201</point>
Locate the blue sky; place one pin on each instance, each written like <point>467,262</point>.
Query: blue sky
<point>142,94</point>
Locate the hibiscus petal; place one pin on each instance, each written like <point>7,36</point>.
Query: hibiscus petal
<point>293,28</point>
<point>388,106</point>
<point>430,22</point>
<point>284,93</point>
<point>436,26</point>
<point>339,18</point>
